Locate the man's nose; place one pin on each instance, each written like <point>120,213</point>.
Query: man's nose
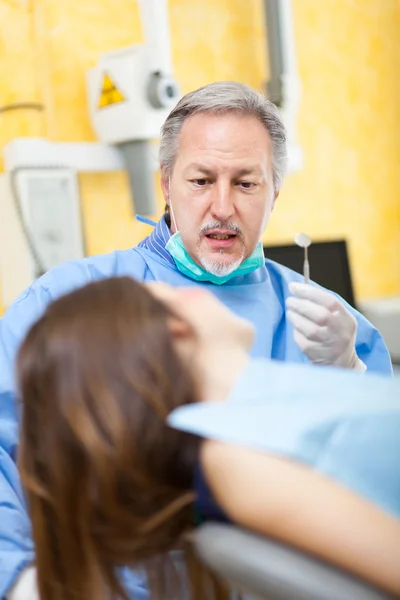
<point>222,201</point>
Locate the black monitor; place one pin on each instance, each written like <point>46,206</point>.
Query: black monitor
<point>329,264</point>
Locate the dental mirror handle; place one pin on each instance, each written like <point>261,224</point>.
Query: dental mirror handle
<point>306,267</point>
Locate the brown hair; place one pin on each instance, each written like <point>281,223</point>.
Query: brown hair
<point>108,483</point>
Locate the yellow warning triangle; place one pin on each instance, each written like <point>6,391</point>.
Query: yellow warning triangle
<point>109,94</point>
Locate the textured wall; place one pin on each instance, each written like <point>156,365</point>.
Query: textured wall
<point>348,124</point>
<point>349,127</point>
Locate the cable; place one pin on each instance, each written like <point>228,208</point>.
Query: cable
<point>22,106</point>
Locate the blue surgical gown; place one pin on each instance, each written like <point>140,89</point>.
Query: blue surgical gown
<point>259,296</point>
<point>340,423</point>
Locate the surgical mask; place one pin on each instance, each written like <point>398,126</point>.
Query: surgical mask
<point>188,267</point>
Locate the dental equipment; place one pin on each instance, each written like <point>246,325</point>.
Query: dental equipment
<point>304,241</point>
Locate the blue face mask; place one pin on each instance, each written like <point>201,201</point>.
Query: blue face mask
<point>188,267</point>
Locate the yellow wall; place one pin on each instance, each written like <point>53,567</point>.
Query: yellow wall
<point>349,118</point>
<point>349,127</point>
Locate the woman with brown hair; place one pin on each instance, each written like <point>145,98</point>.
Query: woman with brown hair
<point>112,379</point>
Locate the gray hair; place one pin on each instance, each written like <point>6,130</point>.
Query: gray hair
<point>219,98</point>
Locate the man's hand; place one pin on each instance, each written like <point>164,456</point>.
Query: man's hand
<point>323,328</point>
<point>25,588</point>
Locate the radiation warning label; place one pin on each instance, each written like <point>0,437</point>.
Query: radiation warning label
<point>109,93</point>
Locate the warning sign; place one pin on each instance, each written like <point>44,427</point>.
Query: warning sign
<point>109,94</point>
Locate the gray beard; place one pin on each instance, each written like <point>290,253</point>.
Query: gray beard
<point>220,269</point>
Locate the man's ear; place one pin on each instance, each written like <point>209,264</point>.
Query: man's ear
<point>276,194</point>
<point>165,185</point>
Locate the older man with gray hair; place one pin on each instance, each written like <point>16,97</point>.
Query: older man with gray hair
<point>222,157</point>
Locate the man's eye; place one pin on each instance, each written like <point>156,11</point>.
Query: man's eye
<point>246,184</point>
<point>200,182</point>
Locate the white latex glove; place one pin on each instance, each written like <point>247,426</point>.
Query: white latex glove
<point>25,588</point>
<point>323,328</point>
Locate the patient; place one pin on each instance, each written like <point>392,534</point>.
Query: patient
<point>120,383</point>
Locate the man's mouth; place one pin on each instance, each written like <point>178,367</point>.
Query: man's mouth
<point>221,240</point>
<point>220,236</point>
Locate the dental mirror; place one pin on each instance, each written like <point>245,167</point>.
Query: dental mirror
<point>304,241</point>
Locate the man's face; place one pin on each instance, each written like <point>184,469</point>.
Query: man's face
<point>221,191</point>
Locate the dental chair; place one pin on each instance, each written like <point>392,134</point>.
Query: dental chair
<point>262,569</point>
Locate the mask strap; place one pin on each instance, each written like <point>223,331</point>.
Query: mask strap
<point>170,204</point>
